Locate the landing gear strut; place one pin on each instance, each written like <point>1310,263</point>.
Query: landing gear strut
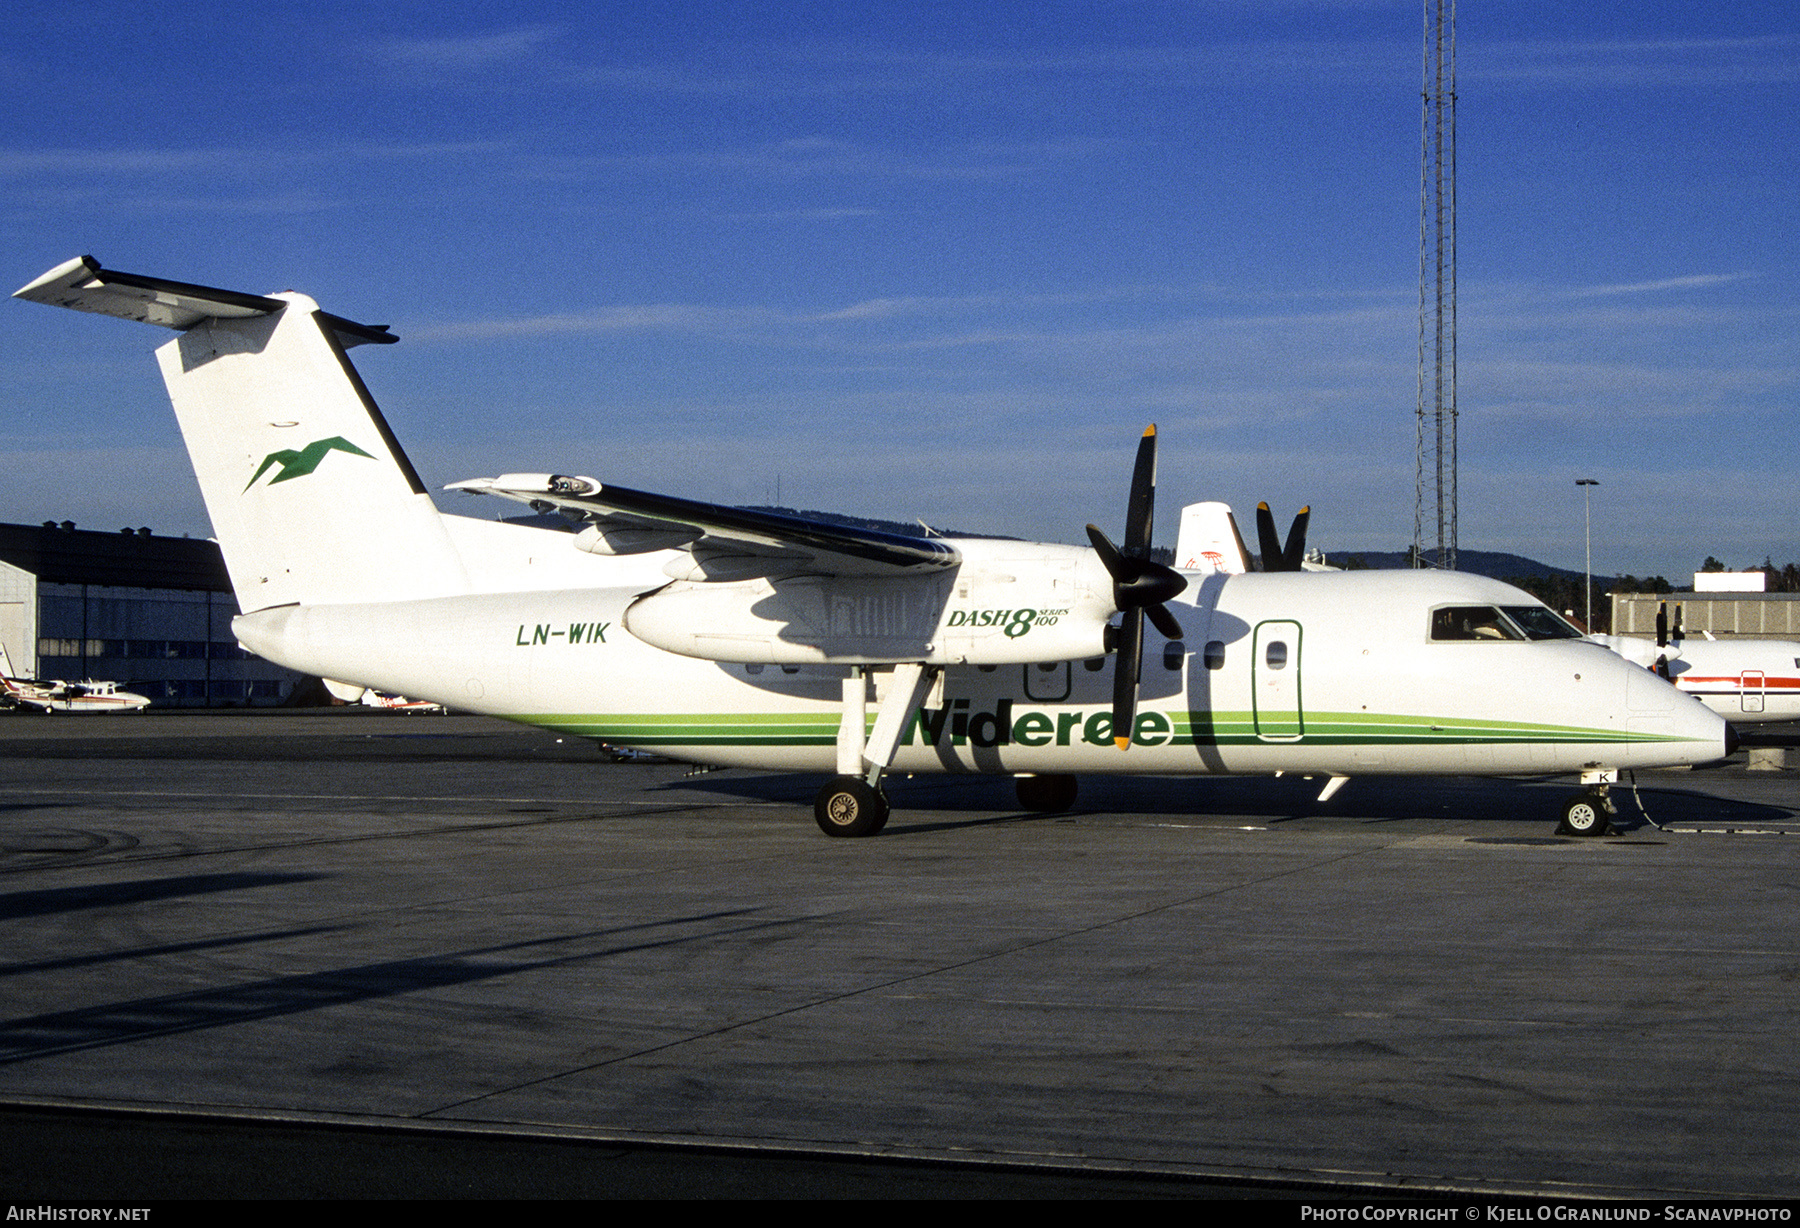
<point>852,803</point>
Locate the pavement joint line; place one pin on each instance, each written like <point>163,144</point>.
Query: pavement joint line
<point>959,965</point>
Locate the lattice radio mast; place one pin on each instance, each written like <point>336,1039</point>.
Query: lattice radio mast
<point>1437,285</point>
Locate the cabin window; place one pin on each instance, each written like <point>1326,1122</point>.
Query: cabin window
<point>987,669</point>
<point>1048,667</point>
<point>1094,665</point>
<point>1174,653</point>
<point>753,669</point>
<point>1275,656</point>
<point>790,669</point>
<point>1215,654</point>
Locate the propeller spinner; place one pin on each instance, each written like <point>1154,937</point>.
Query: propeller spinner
<point>1140,587</point>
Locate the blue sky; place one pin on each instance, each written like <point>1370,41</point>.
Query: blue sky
<point>946,260</point>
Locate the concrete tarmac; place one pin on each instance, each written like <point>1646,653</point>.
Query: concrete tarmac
<point>428,922</point>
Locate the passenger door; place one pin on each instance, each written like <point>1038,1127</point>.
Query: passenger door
<point>1275,682</point>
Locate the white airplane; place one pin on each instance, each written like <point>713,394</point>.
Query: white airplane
<point>372,698</point>
<point>52,696</point>
<point>737,638</point>
<point>1746,681</point>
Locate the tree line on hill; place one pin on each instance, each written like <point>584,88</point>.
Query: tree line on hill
<point>1561,589</point>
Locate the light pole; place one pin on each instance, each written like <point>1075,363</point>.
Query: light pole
<point>1587,508</point>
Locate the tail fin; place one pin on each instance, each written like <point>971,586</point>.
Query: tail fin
<point>311,496</point>
<point>1209,540</point>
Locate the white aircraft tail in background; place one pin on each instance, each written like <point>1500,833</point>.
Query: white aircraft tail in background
<point>1209,541</point>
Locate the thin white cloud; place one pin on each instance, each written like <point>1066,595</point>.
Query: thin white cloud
<point>1667,283</point>
<point>1762,59</point>
<point>824,214</point>
<point>477,51</point>
<point>655,317</point>
<point>22,163</point>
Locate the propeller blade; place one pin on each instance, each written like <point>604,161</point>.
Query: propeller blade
<point>1110,558</point>
<point>1662,626</point>
<point>1126,670</point>
<point>1140,587</point>
<point>1267,538</point>
<point>1275,556</point>
<point>1165,621</point>
<point>1295,553</point>
<point>1676,634</point>
<point>1140,510</point>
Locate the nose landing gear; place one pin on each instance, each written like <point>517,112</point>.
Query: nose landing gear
<point>1590,812</point>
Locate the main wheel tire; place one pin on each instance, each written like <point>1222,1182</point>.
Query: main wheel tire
<point>1047,794</point>
<point>1585,815</point>
<point>850,806</point>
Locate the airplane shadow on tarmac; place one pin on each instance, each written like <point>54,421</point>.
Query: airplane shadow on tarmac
<point>1528,803</point>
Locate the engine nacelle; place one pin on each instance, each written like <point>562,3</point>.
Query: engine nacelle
<point>937,618</point>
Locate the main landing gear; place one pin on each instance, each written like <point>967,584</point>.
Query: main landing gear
<point>850,806</point>
<point>852,803</point>
<point>1590,812</point>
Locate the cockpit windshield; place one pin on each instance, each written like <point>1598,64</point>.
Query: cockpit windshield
<point>1513,622</point>
<point>1542,623</point>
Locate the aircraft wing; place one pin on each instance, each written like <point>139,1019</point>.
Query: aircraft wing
<point>725,543</point>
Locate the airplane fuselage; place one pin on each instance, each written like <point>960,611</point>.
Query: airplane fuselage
<point>1298,673</point>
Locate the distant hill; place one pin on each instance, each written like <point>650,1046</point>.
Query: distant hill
<point>1491,563</point>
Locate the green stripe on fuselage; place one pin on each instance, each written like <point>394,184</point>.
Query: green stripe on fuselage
<point>1188,728</point>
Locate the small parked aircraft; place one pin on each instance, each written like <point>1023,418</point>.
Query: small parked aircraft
<point>733,637</point>
<point>52,696</point>
<point>1746,681</point>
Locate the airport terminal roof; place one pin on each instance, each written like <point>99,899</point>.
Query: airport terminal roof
<point>59,553</point>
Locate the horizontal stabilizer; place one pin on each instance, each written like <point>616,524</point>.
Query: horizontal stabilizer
<point>82,285</point>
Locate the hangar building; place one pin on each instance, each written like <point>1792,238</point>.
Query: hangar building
<point>1774,616</point>
<point>150,613</point>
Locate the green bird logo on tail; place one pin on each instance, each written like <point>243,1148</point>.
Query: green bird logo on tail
<point>299,464</point>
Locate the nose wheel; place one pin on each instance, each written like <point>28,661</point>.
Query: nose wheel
<point>1588,813</point>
